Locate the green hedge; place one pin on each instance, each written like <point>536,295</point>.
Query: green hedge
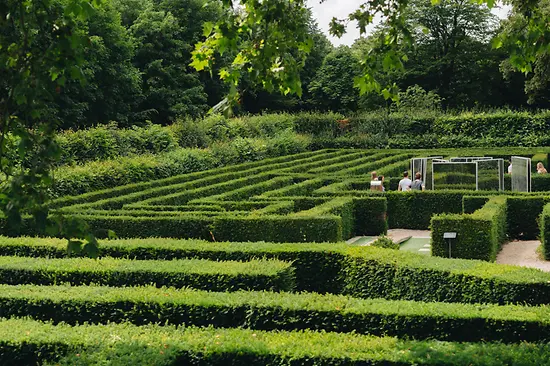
<point>291,228</point>
<point>471,204</point>
<point>523,215</point>
<point>370,215</point>
<point>107,142</point>
<point>479,235</point>
<point>390,274</point>
<point>74,180</point>
<point>31,342</point>
<point>545,231</point>
<point>185,178</point>
<point>281,311</point>
<point>414,209</point>
<point>196,273</point>
<point>317,266</point>
<point>338,268</point>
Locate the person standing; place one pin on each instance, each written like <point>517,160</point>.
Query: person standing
<point>540,168</point>
<point>405,183</point>
<point>418,184</point>
<point>375,184</point>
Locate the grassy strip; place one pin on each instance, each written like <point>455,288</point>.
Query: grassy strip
<point>282,311</point>
<point>31,342</point>
<point>196,273</point>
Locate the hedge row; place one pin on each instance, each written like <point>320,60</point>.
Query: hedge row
<point>107,142</point>
<point>182,178</point>
<point>31,342</point>
<point>545,231</point>
<point>112,173</point>
<point>364,272</point>
<point>277,311</point>
<point>478,236</point>
<point>92,176</point>
<point>197,273</point>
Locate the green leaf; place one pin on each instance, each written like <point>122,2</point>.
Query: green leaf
<point>207,28</point>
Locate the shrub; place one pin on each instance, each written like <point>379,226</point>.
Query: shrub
<point>386,243</point>
<point>107,142</point>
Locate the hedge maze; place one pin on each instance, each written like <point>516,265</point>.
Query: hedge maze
<point>251,286</point>
<point>280,200</point>
<point>172,302</point>
<point>321,196</point>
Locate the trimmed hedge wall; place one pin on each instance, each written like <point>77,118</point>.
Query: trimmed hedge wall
<point>479,235</point>
<point>364,272</point>
<point>400,275</point>
<point>370,215</point>
<point>30,342</point>
<point>523,215</point>
<point>197,273</point>
<point>277,311</point>
<point>290,228</point>
<point>545,231</point>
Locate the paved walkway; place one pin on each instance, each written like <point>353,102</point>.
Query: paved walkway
<point>399,235</point>
<point>522,253</point>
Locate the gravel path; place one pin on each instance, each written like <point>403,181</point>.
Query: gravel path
<point>522,253</point>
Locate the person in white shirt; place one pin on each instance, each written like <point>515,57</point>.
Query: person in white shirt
<point>510,168</point>
<point>405,183</point>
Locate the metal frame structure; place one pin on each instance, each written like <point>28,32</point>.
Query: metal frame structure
<point>423,162</point>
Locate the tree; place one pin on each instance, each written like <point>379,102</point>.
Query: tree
<point>255,99</point>
<point>42,46</point>
<point>164,31</point>
<point>449,39</point>
<point>275,25</point>
<point>332,89</point>
<point>113,84</point>
<point>519,27</point>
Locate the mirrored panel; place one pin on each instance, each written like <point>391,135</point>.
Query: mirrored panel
<point>454,175</point>
<point>521,174</point>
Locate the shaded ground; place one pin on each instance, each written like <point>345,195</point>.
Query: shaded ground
<point>522,253</point>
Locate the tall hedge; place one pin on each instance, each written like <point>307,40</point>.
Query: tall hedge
<point>365,272</point>
<point>479,235</point>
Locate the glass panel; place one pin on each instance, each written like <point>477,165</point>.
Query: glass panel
<point>428,174</point>
<point>521,174</point>
<point>454,176</point>
<point>489,175</point>
<point>417,165</point>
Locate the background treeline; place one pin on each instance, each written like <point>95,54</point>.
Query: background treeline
<point>137,67</point>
